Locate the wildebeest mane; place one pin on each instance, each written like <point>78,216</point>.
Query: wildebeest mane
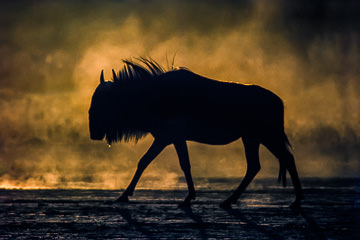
<point>122,128</point>
<point>133,71</point>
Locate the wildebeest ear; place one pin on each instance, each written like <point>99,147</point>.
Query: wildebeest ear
<point>114,76</point>
<point>102,80</point>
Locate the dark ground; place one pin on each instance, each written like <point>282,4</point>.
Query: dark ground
<point>330,211</point>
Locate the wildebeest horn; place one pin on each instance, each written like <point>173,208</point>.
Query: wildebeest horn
<point>102,80</point>
<point>114,76</point>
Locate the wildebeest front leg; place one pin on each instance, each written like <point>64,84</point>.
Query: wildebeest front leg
<point>253,167</point>
<point>153,151</point>
<point>183,155</point>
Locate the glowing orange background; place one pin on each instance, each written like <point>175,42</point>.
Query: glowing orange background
<point>52,53</point>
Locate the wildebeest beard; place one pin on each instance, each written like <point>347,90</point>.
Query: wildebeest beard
<point>118,131</point>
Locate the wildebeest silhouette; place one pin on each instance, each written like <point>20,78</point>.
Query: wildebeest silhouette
<point>177,106</point>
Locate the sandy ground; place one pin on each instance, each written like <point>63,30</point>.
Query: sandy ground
<point>330,211</point>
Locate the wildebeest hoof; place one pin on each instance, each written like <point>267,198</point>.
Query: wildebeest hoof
<point>185,204</point>
<point>122,199</point>
<point>296,205</point>
<point>226,205</point>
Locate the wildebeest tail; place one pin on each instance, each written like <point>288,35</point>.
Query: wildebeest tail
<point>282,168</point>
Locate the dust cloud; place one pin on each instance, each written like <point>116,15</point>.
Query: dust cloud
<point>52,53</point>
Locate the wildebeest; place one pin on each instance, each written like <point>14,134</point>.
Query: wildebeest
<point>177,106</point>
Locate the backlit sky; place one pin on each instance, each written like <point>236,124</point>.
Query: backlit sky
<point>52,53</point>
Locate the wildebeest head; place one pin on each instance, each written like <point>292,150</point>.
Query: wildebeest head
<point>111,114</point>
<point>100,109</point>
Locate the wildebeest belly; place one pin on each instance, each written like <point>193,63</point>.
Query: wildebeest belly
<point>212,132</point>
<point>224,124</point>
<point>212,137</point>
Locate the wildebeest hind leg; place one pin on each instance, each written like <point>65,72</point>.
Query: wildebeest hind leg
<point>153,151</point>
<point>279,149</point>
<point>253,167</point>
